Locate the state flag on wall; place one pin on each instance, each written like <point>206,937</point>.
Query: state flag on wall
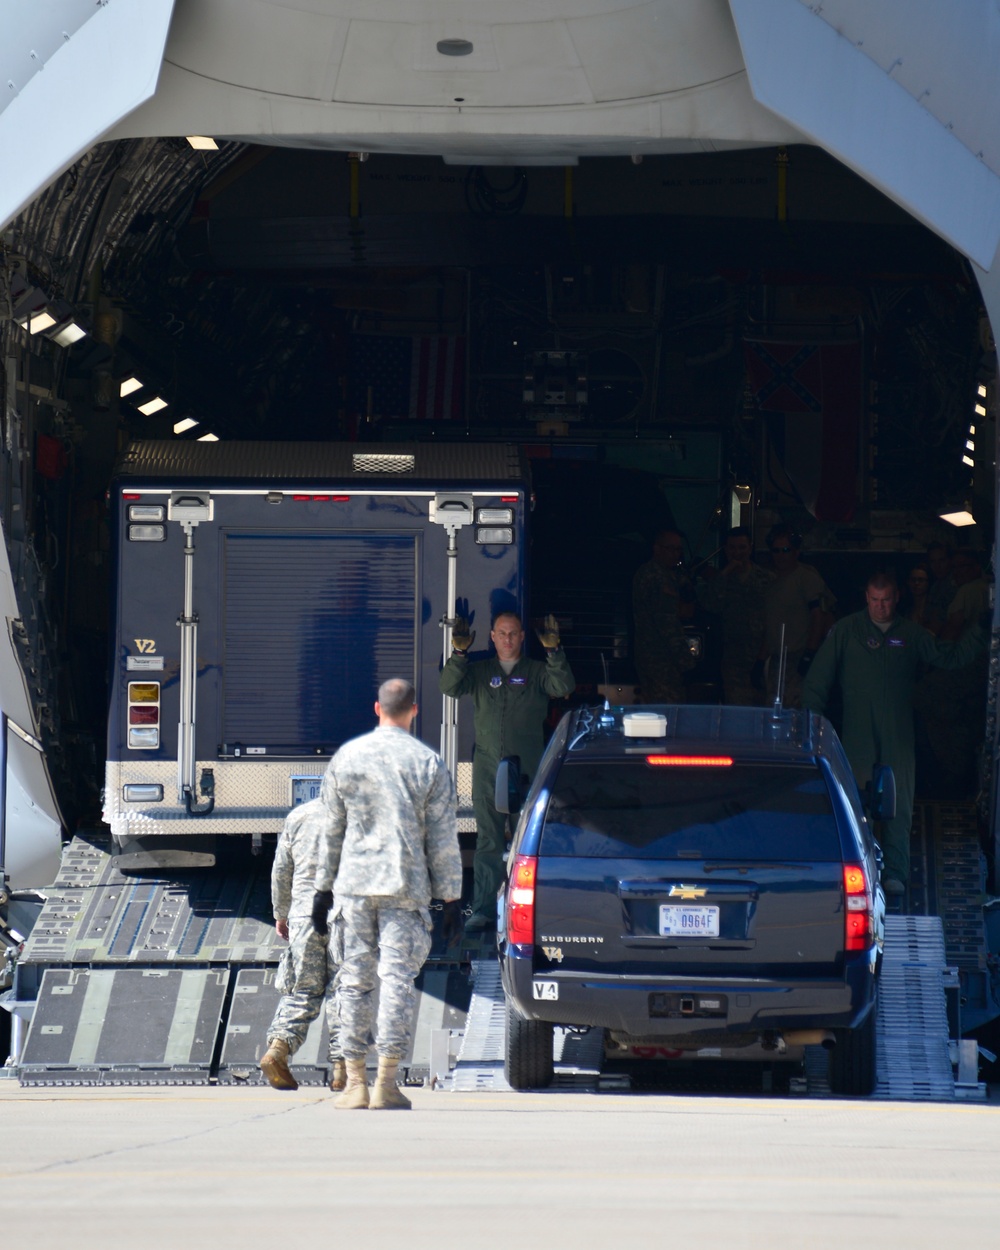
<point>810,395</point>
<point>420,377</point>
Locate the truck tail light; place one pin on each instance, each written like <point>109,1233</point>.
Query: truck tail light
<point>521,901</point>
<point>858,911</point>
<point>143,715</point>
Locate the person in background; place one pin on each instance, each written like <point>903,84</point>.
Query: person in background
<point>951,706</point>
<point>915,604</point>
<point>943,585</point>
<point>389,846</point>
<point>305,972</point>
<point>663,599</point>
<point>738,595</point>
<point>800,601</point>
<point>874,657</point>
<point>510,701</point>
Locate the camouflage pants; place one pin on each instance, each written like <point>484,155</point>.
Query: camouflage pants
<point>308,984</point>
<point>377,945</point>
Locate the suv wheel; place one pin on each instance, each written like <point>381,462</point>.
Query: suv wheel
<point>527,1052</point>
<point>852,1060</point>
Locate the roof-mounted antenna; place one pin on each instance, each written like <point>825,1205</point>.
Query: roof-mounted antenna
<point>606,717</point>
<point>779,692</point>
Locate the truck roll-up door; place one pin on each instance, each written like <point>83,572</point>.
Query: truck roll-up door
<point>332,615</point>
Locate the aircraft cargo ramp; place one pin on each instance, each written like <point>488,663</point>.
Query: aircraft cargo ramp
<point>169,978</point>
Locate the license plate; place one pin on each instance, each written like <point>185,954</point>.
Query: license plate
<point>304,789</point>
<point>688,921</point>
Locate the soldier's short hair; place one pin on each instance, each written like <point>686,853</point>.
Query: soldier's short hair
<point>513,616</point>
<point>396,696</point>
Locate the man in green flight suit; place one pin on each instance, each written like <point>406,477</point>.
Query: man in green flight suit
<point>874,655</point>
<point>510,698</point>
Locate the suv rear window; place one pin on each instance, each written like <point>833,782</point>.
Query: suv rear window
<point>631,809</point>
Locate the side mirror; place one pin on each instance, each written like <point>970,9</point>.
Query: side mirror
<point>881,793</point>
<point>508,793</point>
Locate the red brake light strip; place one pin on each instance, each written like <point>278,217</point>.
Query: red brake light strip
<point>691,761</point>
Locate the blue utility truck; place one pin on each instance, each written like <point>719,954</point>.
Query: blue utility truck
<point>262,593</point>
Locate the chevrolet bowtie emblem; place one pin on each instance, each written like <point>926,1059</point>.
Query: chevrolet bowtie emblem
<point>687,891</point>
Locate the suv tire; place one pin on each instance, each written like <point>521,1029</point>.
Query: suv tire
<point>852,1060</point>
<point>527,1052</point>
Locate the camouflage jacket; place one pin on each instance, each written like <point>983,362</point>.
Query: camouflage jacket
<point>295,859</point>
<point>393,830</point>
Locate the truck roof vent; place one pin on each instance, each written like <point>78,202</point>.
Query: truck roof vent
<point>382,462</point>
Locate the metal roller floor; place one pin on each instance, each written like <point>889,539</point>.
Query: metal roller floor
<point>914,1061</point>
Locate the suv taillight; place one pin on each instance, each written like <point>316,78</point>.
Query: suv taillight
<point>858,912</point>
<point>521,901</point>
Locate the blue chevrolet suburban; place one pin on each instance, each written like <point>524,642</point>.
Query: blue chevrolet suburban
<point>692,877</point>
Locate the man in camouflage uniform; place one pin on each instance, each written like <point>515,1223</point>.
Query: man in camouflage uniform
<point>305,967</point>
<point>662,597</point>
<point>737,594</point>
<point>391,845</point>
<point>510,700</point>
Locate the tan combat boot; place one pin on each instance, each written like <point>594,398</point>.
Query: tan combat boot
<point>355,1095</point>
<point>338,1075</point>
<point>275,1067</point>
<point>386,1095</point>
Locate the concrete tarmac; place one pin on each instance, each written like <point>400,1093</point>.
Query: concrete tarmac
<point>250,1167</point>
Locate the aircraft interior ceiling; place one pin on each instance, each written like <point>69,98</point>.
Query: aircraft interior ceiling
<point>273,292</point>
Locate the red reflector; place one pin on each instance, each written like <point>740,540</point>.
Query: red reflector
<point>691,761</point>
<point>302,498</point>
<point>143,714</point>
<point>521,901</point>
<point>341,498</point>
<point>321,498</point>
<point>508,498</point>
<point>131,496</point>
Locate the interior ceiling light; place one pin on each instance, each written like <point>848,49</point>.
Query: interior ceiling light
<point>982,391</point>
<point>967,460</point>
<point>209,438</point>
<point>962,517</point>
<point>181,427</point>
<point>454,47</point>
<point>153,405</point>
<point>39,321</point>
<point>202,143</point>
<point>981,411</point>
<point>69,333</point>
<point>130,385</point>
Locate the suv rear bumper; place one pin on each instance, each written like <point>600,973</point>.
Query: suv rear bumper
<point>685,1006</point>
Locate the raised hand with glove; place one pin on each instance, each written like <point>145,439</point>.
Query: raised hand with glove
<point>461,636</point>
<point>548,633</point>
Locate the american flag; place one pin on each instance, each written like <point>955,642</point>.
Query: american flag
<point>420,377</point>
<point>810,395</point>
